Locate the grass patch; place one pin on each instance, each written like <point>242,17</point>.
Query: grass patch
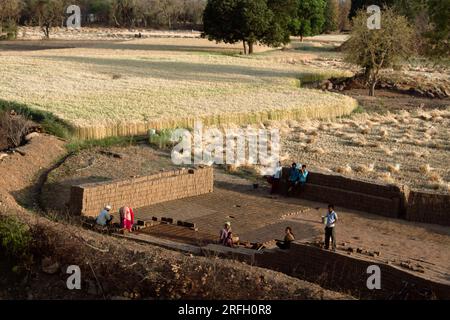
<point>15,238</point>
<point>49,122</point>
<point>360,109</point>
<point>76,145</point>
<point>162,139</point>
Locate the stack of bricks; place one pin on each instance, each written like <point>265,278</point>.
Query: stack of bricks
<point>428,208</point>
<point>89,199</point>
<point>382,199</point>
<point>345,273</point>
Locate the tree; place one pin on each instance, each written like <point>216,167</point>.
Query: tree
<point>439,35</point>
<point>284,12</point>
<point>233,21</point>
<point>310,18</point>
<point>100,8</point>
<point>331,16</point>
<point>170,10</point>
<point>374,50</point>
<point>123,13</point>
<point>9,14</point>
<point>363,4</point>
<point>344,11</point>
<point>47,14</point>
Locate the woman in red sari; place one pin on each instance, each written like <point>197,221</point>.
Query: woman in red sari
<point>128,219</point>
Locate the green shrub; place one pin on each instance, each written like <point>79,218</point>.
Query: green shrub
<point>76,145</point>
<point>9,31</point>
<point>15,237</point>
<point>162,139</point>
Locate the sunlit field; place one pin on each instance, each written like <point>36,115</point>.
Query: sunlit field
<point>123,88</point>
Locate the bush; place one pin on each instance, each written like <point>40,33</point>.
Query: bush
<point>76,145</point>
<point>15,237</point>
<point>162,139</point>
<point>13,129</point>
<point>50,123</point>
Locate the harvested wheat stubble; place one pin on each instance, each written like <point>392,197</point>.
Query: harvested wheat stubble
<point>403,156</point>
<point>126,88</point>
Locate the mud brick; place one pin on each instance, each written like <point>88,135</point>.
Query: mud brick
<point>137,192</point>
<point>190,225</point>
<point>167,220</point>
<point>141,223</point>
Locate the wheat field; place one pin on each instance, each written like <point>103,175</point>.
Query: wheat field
<point>125,88</point>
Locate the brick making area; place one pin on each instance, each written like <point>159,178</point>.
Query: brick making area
<point>378,234</point>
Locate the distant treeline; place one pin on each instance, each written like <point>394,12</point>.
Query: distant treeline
<point>267,21</point>
<point>158,14</point>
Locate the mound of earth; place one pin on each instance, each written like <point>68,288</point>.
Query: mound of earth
<point>418,86</point>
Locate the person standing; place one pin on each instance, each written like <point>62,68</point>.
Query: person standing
<point>128,219</point>
<point>330,227</point>
<point>276,178</point>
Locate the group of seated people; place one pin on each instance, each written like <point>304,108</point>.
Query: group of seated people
<point>126,216</point>
<point>227,239</point>
<point>329,220</point>
<point>298,175</point>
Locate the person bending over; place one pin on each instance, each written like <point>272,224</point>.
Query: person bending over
<point>104,218</point>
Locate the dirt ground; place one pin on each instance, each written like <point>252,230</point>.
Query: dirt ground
<point>258,217</point>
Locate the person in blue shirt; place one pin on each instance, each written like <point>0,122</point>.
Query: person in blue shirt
<point>330,227</point>
<point>303,175</point>
<point>294,178</point>
<point>105,218</point>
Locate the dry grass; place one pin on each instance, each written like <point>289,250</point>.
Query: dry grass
<point>387,177</point>
<point>344,169</point>
<point>394,168</point>
<point>163,83</point>
<point>395,153</point>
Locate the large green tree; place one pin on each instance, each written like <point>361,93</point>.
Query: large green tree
<point>374,50</point>
<point>310,18</point>
<point>284,12</point>
<point>247,21</point>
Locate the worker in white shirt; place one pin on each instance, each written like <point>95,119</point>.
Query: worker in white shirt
<point>330,227</point>
<point>275,181</point>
